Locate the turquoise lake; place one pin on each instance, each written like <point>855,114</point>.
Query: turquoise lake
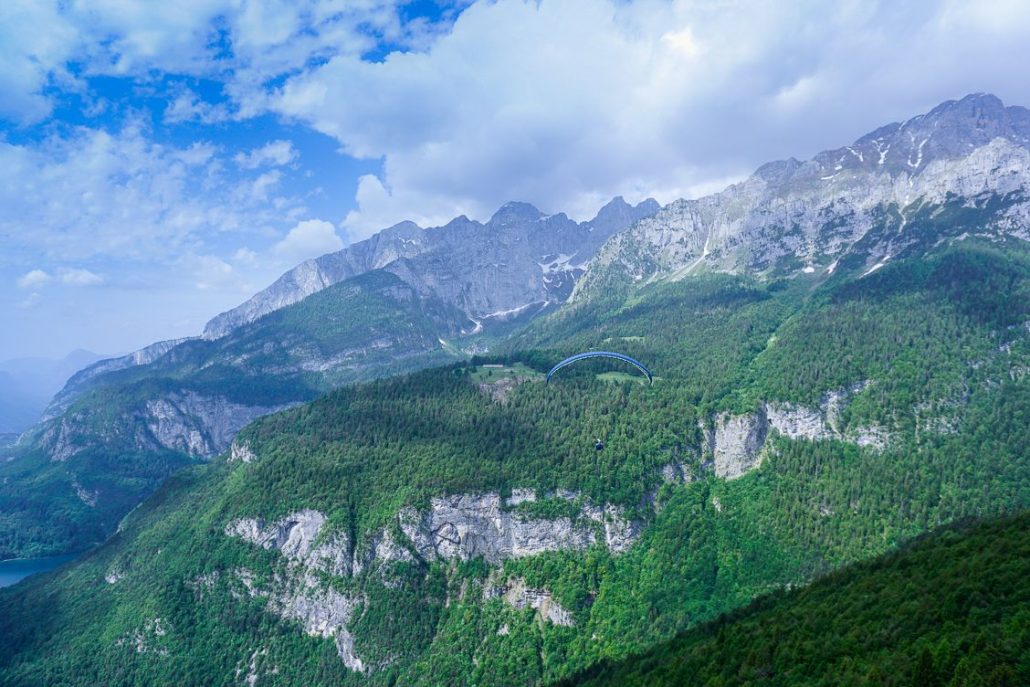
<point>13,571</point>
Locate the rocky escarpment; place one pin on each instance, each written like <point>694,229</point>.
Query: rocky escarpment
<point>200,426</point>
<point>466,526</point>
<point>457,527</point>
<point>735,442</point>
<point>869,199</point>
<point>79,382</point>
<point>517,594</point>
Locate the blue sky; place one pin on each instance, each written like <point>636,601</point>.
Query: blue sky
<point>161,162</point>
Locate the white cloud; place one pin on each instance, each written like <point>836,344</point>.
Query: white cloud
<point>276,154</point>
<point>211,272</point>
<point>35,43</point>
<point>188,107</point>
<point>120,196</point>
<point>245,256</point>
<point>264,184</point>
<point>262,39</point>
<point>31,301</point>
<point>80,277</point>
<point>33,279</point>
<point>565,103</point>
<point>308,239</point>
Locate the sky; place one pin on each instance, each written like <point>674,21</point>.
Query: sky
<point>160,162</point>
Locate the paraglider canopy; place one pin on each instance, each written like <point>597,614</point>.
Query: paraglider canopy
<point>601,354</point>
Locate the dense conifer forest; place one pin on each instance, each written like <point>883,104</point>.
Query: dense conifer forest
<point>934,352</point>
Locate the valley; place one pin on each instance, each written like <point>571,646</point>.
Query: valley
<point>359,476</point>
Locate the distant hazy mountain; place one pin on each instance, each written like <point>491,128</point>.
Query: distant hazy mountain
<point>27,384</point>
<point>404,299</point>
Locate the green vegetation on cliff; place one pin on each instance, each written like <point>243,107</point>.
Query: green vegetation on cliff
<point>930,370</point>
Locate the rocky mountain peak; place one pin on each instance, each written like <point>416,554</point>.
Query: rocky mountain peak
<point>856,202</point>
<point>402,230</point>
<point>514,213</point>
<point>950,130</point>
<point>618,210</point>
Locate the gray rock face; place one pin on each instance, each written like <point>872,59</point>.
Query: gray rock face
<point>320,611</point>
<point>200,426</point>
<point>299,595</point>
<point>805,216</point>
<point>294,536</point>
<point>241,452</point>
<point>797,422</point>
<point>515,264</point>
<point>518,595</point>
<point>737,441</point>
<point>455,527</point>
<point>466,526</point>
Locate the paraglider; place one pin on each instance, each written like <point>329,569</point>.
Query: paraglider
<point>601,354</point>
<point>598,444</point>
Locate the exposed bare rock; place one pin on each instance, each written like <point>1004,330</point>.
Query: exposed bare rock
<point>78,382</point>
<point>517,594</point>
<point>322,612</point>
<point>870,437</point>
<point>294,536</point>
<point>381,549</point>
<point>738,442</point>
<point>146,639</point>
<point>58,440</point>
<point>521,496</point>
<point>797,422</point>
<point>455,527</point>
<point>466,526</point>
<point>85,495</point>
<point>199,425</point>
<point>677,472</point>
<point>620,532</point>
<point>834,401</point>
<point>241,452</point>
<point>517,263</point>
<point>803,216</point>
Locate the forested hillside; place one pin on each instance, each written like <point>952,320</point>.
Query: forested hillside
<point>950,609</point>
<point>458,526</point>
<point>116,442</point>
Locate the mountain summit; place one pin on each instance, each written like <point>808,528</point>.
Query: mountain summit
<point>527,275</point>
<point>863,204</point>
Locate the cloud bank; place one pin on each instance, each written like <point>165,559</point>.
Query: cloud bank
<point>567,103</point>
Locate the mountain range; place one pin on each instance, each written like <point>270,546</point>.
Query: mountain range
<point>840,349</point>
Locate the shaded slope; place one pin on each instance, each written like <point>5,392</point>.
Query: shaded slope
<point>952,608</point>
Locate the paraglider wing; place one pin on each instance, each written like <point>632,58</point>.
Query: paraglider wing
<point>602,354</point>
